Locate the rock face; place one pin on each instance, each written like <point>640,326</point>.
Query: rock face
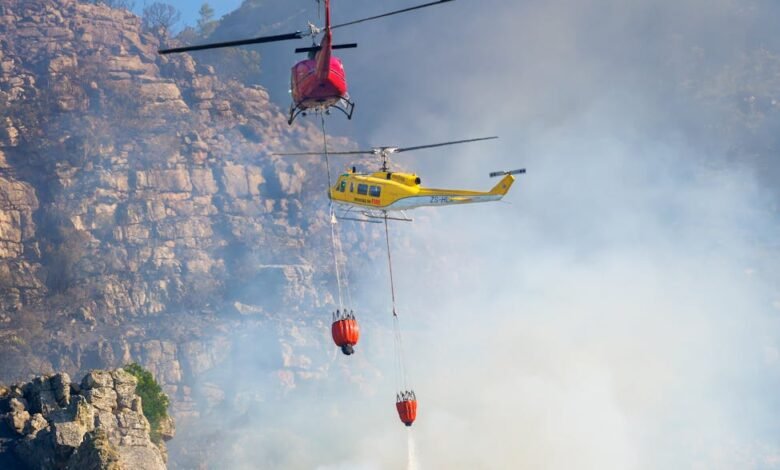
<point>141,209</point>
<point>18,274</point>
<point>143,218</point>
<point>98,424</point>
<point>145,175</point>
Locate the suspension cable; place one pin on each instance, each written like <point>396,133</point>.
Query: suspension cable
<point>331,213</point>
<point>325,151</point>
<point>345,278</point>
<point>390,266</point>
<point>335,233</point>
<point>400,359</point>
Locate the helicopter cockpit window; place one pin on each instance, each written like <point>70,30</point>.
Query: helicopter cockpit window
<point>376,191</point>
<point>352,187</point>
<point>343,186</point>
<point>363,189</point>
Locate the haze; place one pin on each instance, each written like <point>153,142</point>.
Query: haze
<point>622,310</point>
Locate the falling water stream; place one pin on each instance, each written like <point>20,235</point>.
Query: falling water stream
<point>412,452</point>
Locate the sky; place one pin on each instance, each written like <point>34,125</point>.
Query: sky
<point>620,309</point>
<point>189,9</point>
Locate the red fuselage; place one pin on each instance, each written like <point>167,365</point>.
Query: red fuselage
<point>318,87</point>
<point>319,82</point>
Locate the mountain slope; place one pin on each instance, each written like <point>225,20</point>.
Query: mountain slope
<point>143,217</point>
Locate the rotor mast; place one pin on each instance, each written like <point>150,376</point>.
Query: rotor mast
<point>384,154</point>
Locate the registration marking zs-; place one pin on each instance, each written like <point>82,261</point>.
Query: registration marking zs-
<point>440,199</point>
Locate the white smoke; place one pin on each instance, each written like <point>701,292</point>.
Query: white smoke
<point>616,314</point>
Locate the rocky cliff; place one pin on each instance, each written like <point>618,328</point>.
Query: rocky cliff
<point>98,423</point>
<point>128,179</point>
<point>142,215</point>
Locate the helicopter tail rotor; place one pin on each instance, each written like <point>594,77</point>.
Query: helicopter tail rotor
<point>502,187</point>
<point>496,174</point>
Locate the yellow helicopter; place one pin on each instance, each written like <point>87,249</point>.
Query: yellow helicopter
<point>374,194</point>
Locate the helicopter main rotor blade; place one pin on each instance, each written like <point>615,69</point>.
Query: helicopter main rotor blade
<point>286,37</point>
<point>300,154</point>
<point>319,48</point>
<point>388,150</point>
<point>390,14</point>
<point>242,42</point>
<point>407,149</point>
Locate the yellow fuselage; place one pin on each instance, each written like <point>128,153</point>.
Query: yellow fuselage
<point>399,191</point>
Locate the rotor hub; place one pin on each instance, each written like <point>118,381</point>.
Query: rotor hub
<point>314,30</point>
<point>384,153</point>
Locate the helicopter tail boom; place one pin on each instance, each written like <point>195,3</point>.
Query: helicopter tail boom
<point>326,49</point>
<point>503,186</point>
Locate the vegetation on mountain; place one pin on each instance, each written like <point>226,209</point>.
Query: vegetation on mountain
<point>155,402</point>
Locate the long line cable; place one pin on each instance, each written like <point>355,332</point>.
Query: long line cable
<point>331,213</point>
<point>325,151</point>
<point>400,363</point>
<point>390,266</point>
<point>345,278</point>
<point>399,346</point>
<point>334,235</point>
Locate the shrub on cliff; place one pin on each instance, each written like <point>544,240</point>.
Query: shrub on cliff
<point>160,17</point>
<point>154,400</point>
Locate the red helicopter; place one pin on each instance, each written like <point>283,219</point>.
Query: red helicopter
<point>319,82</point>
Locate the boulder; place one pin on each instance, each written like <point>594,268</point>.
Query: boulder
<point>96,452</point>
<point>18,404</point>
<point>37,423</point>
<point>68,437</point>
<point>97,379</point>
<point>102,426</point>
<point>124,384</point>
<point>167,428</point>
<point>102,398</point>
<point>40,395</point>
<point>18,420</point>
<point>61,386</point>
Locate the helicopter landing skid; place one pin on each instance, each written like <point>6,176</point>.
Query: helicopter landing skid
<point>371,216</point>
<point>344,105</point>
